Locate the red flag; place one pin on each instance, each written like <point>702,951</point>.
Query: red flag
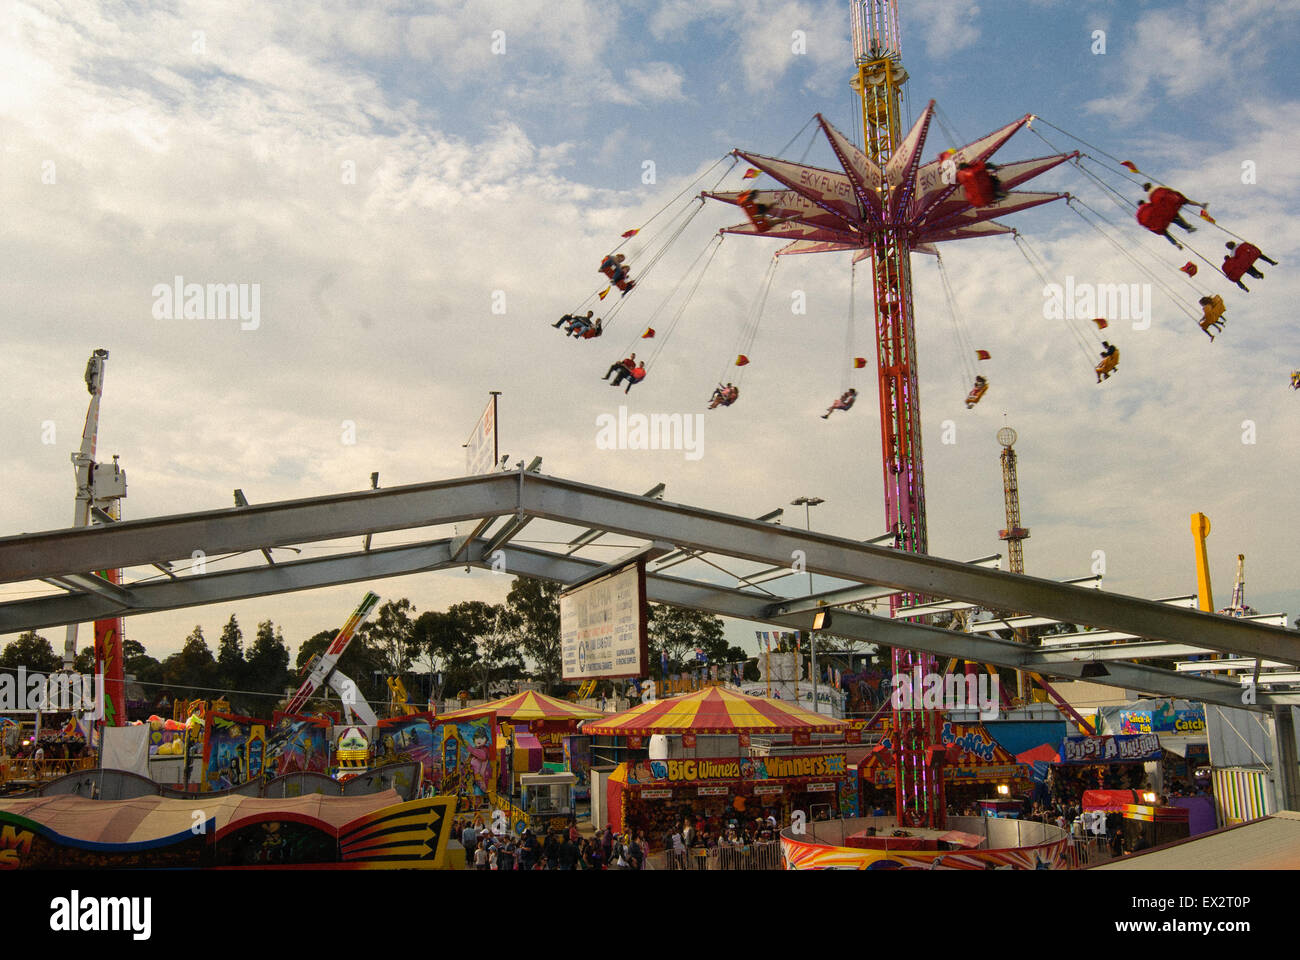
<point>1205,215</point>
<point>1188,268</point>
<point>859,363</point>
<point>630,233</point>
<point>604,293</point>
<point>751,173</point>
<point>1131,165</point>
<point>983,354</point>
<point>741,360</point>
<point>1101,324</point>
<point>649,333</point>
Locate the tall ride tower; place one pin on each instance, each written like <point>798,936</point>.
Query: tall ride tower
<point>1014,534</point>
<point>883,203</point>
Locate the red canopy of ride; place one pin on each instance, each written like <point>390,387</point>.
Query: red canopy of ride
<point>1110,801</point>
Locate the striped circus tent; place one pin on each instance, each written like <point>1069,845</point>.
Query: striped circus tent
<point>714,710</point>
<point>526,707</point>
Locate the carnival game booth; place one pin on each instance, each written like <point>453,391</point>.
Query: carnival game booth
<point>1105,763</point>
<point>786,774</point>
<point>535,729</point>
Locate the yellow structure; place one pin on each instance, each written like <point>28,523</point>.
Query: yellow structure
<point>1204,593</point>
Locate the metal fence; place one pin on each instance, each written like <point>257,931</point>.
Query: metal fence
<point>753,856</point>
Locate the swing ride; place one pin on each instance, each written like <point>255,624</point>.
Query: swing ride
<point>884,202</point>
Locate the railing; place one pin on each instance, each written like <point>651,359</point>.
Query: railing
<point>40,771</point>
<point>753,856</point>
<point>1089,852</point>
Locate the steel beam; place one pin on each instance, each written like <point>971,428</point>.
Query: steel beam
<point>138,542</point>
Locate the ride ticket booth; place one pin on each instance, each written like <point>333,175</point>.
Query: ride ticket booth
<point>548,800</point>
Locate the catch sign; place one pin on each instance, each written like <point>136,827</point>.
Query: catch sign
<point>603,626</point>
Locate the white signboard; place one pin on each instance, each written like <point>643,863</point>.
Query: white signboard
<point>481,451</point>
<point>603,627</point>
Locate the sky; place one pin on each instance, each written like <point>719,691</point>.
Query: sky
<point>419,190</point>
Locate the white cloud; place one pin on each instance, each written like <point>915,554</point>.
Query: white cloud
<point>377,296</point>
<point>948,26</point>
<point>1190,51</point>
<point>656,81</point>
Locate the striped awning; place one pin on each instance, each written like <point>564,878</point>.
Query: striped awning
<point>526,706</point>
<point>714,710</point>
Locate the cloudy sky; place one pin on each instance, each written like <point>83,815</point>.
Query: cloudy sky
<point>388,177</point>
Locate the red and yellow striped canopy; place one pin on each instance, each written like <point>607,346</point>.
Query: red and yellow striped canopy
<point>714,710</point>
<point>527,706</point>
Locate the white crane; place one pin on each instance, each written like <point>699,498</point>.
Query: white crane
<point>100,486</point>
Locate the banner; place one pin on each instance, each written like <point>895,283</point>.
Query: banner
<point>402,739</point>
<point>577,757</point>
<point>971,754</point>
<point>225,753</point>
<point>603,627</point>
<point>1110,749</point>
<point>798,767</point>
<point>465,759</point>
<point>1176,717</point>
<point>481,449</point>
<point>297,745</point>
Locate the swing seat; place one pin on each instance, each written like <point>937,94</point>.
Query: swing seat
<point>1295,379</point>
<point>978,184</point>
<point>1248,253</point>
<point>1153,219</point>
<point>1212,311</point>
<point>746,202</point>
<point>1108,364</point>
<point>1234,268</point>
<point>974,396</point>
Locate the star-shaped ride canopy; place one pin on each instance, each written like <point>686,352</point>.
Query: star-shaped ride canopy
<point>826,210</point>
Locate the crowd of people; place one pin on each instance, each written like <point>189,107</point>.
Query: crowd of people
<point>557,850</point>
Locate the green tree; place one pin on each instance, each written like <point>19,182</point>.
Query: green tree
<point>494,631</point>
<point>268,660</point>
<point>32,651</point>
<point>231,666</point>
<point>677,632</point>
<point>143,667</point>
<point>536,605</point>
<point>391,633</point>
<point>193,667</point>
<point>85,662</point>
<point>446,646</point>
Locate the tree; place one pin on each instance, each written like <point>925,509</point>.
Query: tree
<point>231,666</point>
<point>193,667</point>
<point>268,660</point>
<point>536,604</point>
<point>32,651</point>
<point>392,635</point>
<point>446,645</point>
<point>494,631</point>
<point>676,633</point>
<point>85,662</point>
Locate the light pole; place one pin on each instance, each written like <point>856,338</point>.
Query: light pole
<point>808,503</point>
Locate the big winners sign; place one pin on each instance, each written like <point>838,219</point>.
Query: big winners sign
<point>603,626</point>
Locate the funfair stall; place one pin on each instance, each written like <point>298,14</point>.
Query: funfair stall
<point>656,794</point>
